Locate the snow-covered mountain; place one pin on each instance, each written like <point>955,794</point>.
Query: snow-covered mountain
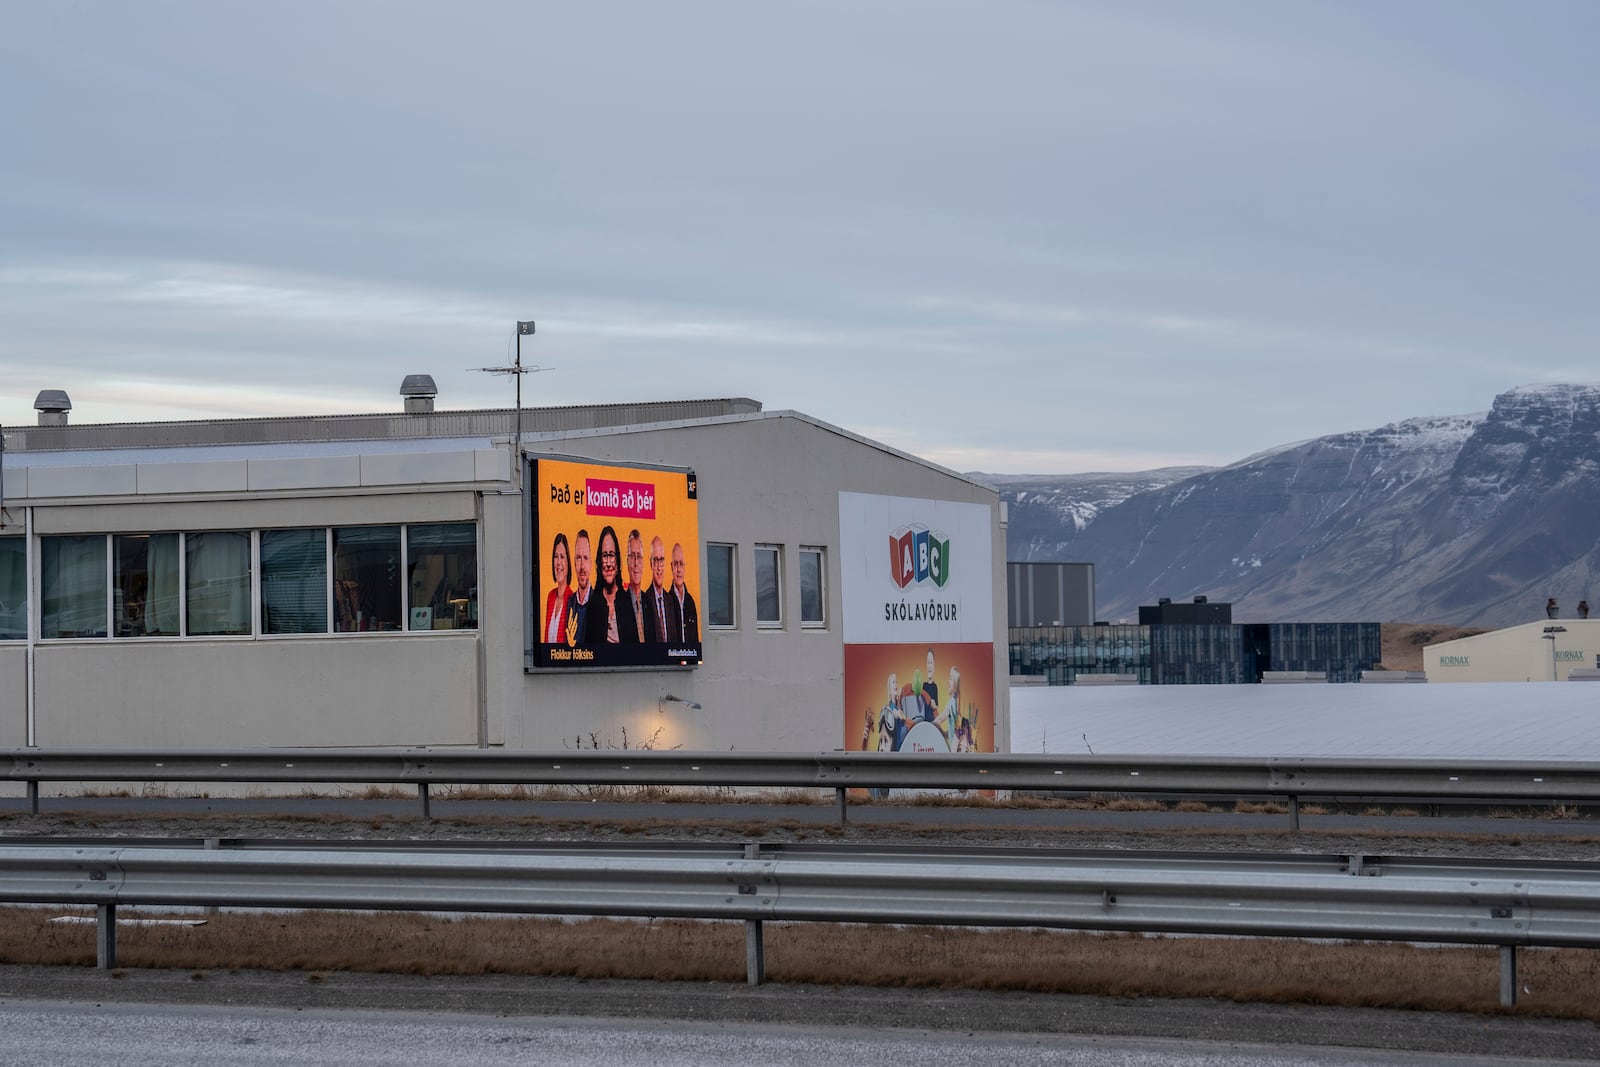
<point>1048,512</point>
<point>1472,519</point>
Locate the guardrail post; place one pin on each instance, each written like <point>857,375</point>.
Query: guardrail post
<point>422,795</point>
<point>843,813</point>
<point>212,844</point>
<point>1508,976</point>
<point>1294,811</point>
<point>105,936</point>
<point>755,947</point>
<point>33,797</point>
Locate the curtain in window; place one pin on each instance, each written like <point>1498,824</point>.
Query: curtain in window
<point>144,585</point>
<point>218,572</point>
<point>161,612</point>
<point>72,580</point>
<point>294,581</point>
<point>13,589</point>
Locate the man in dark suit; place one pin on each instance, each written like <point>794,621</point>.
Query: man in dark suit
<point>630,605</point>
<point>683,621</point>
<point>579,599</point>
<point>655,595</point>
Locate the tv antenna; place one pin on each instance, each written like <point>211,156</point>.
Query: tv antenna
<point>517,370</point>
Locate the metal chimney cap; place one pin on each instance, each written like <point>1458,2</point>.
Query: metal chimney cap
<point>52,400</point>
<point>416,385</point>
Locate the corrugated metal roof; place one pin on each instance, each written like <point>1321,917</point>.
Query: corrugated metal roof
<point>1464,720</point>
<point>112,457</point>
<point>483,423</point>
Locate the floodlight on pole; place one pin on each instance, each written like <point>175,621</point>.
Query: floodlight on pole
<point>1550,635</point>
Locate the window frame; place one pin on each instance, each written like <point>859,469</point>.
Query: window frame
<point>19,601</point>
<point>465,608</point>
<point>326,599</point>
<point>776,552</point>
<point>821,555</point>
<point>731,551</point>
<point>112,584</point>
<point>61,598</point>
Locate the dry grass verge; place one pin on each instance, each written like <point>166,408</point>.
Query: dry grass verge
<point>1558,983</point>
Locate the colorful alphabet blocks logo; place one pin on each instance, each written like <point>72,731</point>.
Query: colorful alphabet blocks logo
<point>917,554</point>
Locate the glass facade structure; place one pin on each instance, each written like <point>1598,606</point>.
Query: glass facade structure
<point>1174,654</point>
<point>1343,649</point>
<point>1061,653</point>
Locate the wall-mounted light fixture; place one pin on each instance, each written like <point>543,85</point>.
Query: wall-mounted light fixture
<point>668,698</point>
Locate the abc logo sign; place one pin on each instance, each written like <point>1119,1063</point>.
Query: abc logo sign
<point>917,554</point>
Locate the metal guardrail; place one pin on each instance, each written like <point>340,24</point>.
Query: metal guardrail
<point>1501,903</point>
<point>1288,778</point>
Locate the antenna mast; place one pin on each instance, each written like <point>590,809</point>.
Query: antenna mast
<point>517,370</point>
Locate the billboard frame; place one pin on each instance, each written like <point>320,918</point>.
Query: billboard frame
<point>540,657</point>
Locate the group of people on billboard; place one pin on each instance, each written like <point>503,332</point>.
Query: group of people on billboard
<point>913,720</point>
<point>582,610</point>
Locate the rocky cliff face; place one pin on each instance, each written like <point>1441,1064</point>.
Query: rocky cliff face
<point>1473,520</point>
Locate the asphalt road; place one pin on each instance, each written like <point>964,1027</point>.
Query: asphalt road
<point>66,1015</point>
<point>55,1034</point>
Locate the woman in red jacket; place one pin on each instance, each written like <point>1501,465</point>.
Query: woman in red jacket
<point>555,604</point>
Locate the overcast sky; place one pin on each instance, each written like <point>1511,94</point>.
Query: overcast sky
<point>1008,236</point>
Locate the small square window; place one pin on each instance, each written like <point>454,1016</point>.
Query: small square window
<point>813,613</point>
<point>769,604</point>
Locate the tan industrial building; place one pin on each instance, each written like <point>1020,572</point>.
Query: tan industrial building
<point>1545,651</point>
<point>407,579</point>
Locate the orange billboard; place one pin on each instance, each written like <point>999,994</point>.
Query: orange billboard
<point>615,570</point>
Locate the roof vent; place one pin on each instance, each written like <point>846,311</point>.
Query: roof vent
<point>52,406</point>
<point>419,391</point>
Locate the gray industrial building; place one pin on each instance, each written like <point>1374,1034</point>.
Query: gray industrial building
<point>407,579</point>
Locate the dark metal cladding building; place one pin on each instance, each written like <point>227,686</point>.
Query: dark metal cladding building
<point>1049,594</point>
<point>1194,643</point>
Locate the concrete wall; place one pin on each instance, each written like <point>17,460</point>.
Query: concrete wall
<point>13,695</point>
<point>1517,654</point>
<point>400,689</point>
<point>771,480</point>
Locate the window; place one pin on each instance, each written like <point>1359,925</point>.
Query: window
<point>366,578</point>
<point>144,585</point>
<point>294,581</point>
<point>313,581</point>
<point>442,562</point>
<point>217,582</point>
<point>812,613</point>
<point>13,589</point>
<point>719,587</point>
<point>72,586</point>
<point>769,565</point>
